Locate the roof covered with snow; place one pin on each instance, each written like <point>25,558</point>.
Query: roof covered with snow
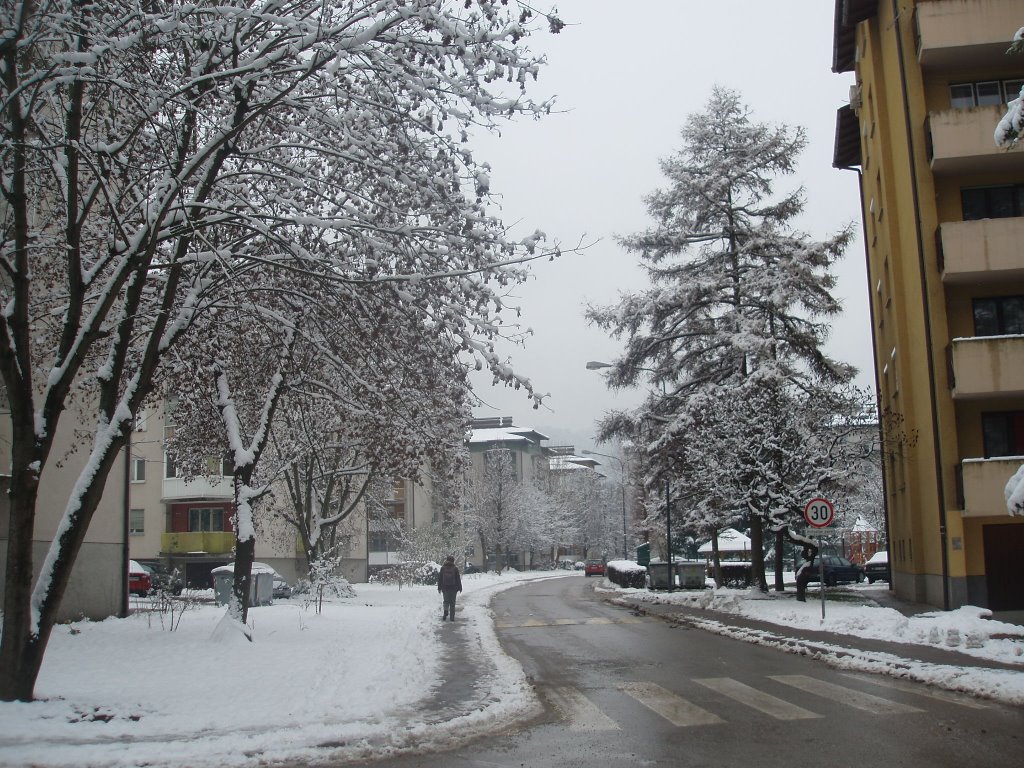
<point>729,540</point>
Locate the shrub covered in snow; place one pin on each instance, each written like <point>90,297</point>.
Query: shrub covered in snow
<point>626,573</point>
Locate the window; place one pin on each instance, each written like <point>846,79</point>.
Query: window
<point>170,469</point>
<point>998,315</point>
<point>992,202</point>
<point>204,519</point>
<point>1003,433</point>
<point>136,522</point>
<point>984,94</point>
<point>138,470</point>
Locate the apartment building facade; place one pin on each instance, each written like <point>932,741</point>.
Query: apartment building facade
<point>943,217</point>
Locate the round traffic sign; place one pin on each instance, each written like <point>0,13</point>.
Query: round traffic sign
<point>819,513</point>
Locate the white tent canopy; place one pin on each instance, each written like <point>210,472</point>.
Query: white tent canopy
<point>729,540</point>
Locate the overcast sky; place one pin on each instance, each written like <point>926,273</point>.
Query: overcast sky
<point>626,76</point>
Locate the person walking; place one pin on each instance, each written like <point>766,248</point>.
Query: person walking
<point>449,584</point>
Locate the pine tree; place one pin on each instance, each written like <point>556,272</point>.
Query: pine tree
<point>738,301</point>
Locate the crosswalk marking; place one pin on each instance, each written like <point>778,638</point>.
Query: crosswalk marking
<point>840,695</point>
<point>759,700</point>
<point>676,710</point>
<point>582,714</point>
<point>531,623</point>
<point>919,689</point>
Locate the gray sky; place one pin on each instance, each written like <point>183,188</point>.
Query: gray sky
<point>626,76</point>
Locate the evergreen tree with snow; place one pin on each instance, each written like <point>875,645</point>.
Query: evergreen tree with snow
<point>739,301</point>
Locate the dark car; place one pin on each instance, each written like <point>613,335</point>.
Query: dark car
<point>282,589</point>
<point>594,568</point>
<point>471,568</point>
<point>877,567</point>
<point>165,579</point>
<point>837,570</point>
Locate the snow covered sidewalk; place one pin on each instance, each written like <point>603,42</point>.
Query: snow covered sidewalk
<point>363,677</point>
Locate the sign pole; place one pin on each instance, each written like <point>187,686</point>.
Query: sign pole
<point>819,514</point>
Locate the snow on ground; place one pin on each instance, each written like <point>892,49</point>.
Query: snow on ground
<point>359,678</point>
<point>126,692</point>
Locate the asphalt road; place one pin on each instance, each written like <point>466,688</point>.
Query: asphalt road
<point>625,690</point>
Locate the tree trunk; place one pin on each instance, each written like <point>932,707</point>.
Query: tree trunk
<point>780,536</point>
<point>241,588</point>
<point>757,552</point>
<point>22,646</point>
<point>716,559</point>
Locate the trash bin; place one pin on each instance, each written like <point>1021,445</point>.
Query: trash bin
<point>657,576</point>
<point>261,588</point>
<point>690,574</point>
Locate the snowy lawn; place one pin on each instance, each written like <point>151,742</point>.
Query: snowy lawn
<point>130,692</point>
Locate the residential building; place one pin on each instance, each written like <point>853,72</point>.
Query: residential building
<point>528,457</point>
<point>98,585</point>
<point>187,523</point>
<point>943,214</point>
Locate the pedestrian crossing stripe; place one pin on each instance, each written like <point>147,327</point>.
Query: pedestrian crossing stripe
<point>580,712</point>
<point>675,709</point>
<point>843,695</point>
<point>962,699</point>
<point>759,700</point>
<point>531,623</point>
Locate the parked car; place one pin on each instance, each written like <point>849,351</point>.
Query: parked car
<point>594,568</point>
<point>139,581</point>
<point>877,567</point>
<point>837,570</point>
<point>471,568</point>
<point>165,579</point>
<point>282,589</point>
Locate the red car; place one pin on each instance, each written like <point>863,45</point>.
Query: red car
<point>139,581</point>
<point>594,568</point>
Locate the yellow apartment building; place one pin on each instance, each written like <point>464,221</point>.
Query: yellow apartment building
<point>943,217</point>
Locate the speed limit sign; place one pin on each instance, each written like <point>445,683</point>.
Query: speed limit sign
<point>819,513</point>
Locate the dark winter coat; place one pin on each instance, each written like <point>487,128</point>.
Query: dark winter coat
<point>449,578</point>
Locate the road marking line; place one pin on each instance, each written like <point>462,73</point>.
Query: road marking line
<point>921,689</point>
<point>533,623</point>
<point>676,710</point>
<point>759,700</point>
<point>841,695</point>
<point>580,712</point>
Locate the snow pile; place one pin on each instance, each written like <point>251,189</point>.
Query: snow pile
<point>353,679</point>
<point>968,629</point>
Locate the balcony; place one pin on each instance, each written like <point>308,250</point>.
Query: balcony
<point>953,34</point>
<point>985,250</point>
<point>988,366</point>
<point>962,141</point>
<point>199,489</point>
<point>984,481</point>
<point>210,542</point>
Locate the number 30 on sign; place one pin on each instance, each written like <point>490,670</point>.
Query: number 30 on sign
<point>819,513</point>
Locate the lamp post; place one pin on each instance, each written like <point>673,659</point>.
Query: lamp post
<point>593,365</point>
<point>622,483</point>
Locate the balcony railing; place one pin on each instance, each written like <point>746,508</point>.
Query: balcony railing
<point>952,34</point>
<point>985,250</point>
<point>177,489</point>
<point>961,141</point>
<point>984,481</point>
<point>211,542</point>
<point>988,366</point>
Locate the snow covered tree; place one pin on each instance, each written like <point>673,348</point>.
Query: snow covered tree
<point>495,505</point>
<point>739,300</point>
<point>153,154</point>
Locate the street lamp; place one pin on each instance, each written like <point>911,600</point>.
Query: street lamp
<point>622,482</point>
<point>593,365</point>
